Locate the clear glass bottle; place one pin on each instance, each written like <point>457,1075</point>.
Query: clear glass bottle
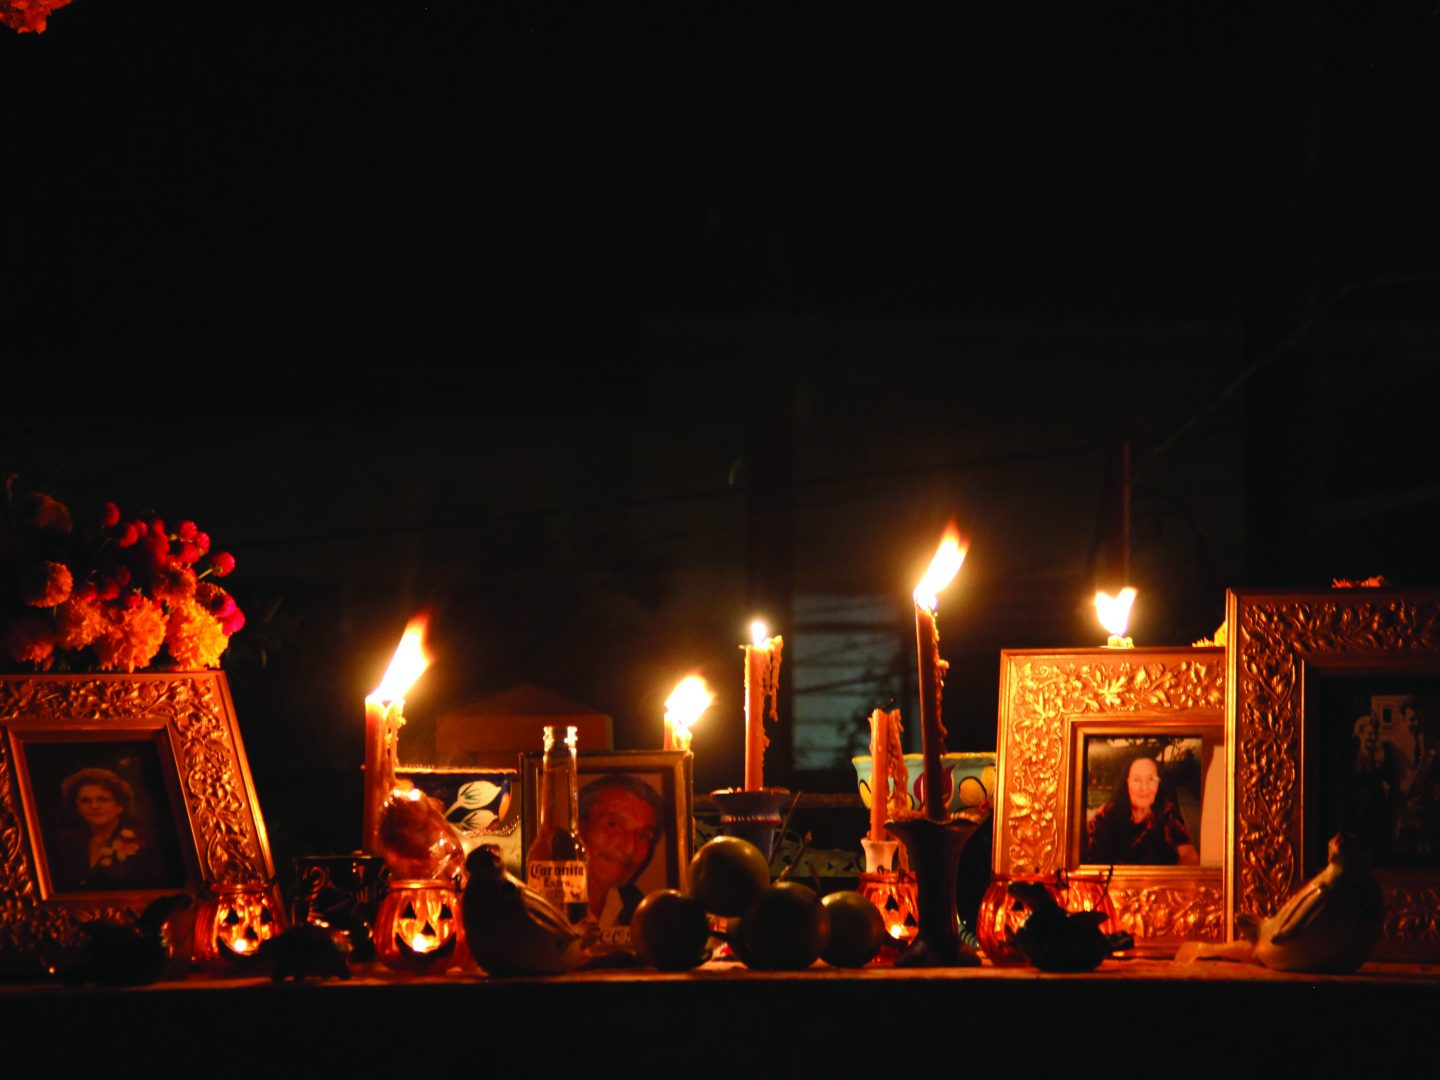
<point>555,867</point>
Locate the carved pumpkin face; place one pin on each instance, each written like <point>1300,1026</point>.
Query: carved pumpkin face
<point>418,927</point>
<point>233,925</point>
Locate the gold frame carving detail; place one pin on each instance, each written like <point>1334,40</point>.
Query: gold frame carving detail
<point>1050,699</point>
<point>218,818</point>
<point>1278,641</point>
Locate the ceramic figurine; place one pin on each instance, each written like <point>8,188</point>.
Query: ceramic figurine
<point>304,951</point>
<point>120,955</point>
<point>511,929</point>
<point>1053,940</point>
<point>1330,925</point>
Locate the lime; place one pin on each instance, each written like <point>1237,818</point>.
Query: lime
<point>670,931</point>
<point>726,874</point>
<point>857,929</point>
<point>785,927</point>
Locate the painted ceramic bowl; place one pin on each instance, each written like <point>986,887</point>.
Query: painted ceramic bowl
<point>969,779</point>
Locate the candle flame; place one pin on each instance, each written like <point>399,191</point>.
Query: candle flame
<point>759,635</point>
<point>1114,611</point>
<point>943,568</point>
<point>242,945</point>
<point>688,701</point>
<point>408,663</point>
<point>420,943</point>
<point>897,931</point>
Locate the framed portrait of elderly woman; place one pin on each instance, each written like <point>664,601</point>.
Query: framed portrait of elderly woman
<point>1111,764</point>
<point>1333,724</point>
<point>635,822</point>
<point>116,790</point>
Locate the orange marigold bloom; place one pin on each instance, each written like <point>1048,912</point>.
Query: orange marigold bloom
<point>132,636</point>
<point>28,639</point>
<point>46,584</point>
<point>77,623</point>
<point>194,636</point>
<point>174,584</point>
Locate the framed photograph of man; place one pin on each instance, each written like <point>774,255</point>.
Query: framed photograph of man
<point>1333,720</point>
<point>114,790</point>
<point>635,822</point>
<point>1111,765</point>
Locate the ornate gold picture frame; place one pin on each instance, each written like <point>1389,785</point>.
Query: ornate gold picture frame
<point>1324,689</point>
<point>115,790</point>
<point>1073,723</point>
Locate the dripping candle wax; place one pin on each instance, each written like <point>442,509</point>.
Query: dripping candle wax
<point>943,569</point>
<point>762,683</point>
<point>384,717</point>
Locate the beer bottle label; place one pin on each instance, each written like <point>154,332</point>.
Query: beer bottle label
<point>562,883</point>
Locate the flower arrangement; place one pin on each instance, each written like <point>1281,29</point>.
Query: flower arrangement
<point>110,596</point>
<point>28,16</point>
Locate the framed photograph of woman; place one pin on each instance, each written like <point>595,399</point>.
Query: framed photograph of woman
<point>1111,765</point>
<point>635,823</point>
<point>1333,721</point>
<point>115,790</point>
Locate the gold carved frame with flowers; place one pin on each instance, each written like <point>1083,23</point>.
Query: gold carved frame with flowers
<point>1280,643</point>
<point>1050,700</point>
<point>192,720</point>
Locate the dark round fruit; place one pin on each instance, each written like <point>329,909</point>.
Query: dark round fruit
<point>670,931</point>
<point>785,928</point>
<point>857,930</point>
<point>726,874</point>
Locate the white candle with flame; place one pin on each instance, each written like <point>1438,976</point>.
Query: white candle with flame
<point>1114,615</point>
<point>943,568</point>
<point>762,684</point>
<point>686,704</point>
<point>384,717</point>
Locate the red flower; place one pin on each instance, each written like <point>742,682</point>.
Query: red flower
<point>223,563</point>
<point>202,541</point>
<point>128,535</point>
<point>189,553</point>
<point>215,599</point>
<point>133,600</point>
<point>109,515</point>
<point>233,622</point>
<point>122,575</point>
<point>46,584</point>
<point>109,589</point>
<point>157,529</point>
<point>187,530</point>
<point>86,593</point>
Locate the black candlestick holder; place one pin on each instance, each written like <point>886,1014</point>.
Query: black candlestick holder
<point>934,849</point>
<point>753,815</point>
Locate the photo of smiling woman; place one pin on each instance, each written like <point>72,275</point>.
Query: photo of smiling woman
<point>1141,822</point>
<point>101,808</point>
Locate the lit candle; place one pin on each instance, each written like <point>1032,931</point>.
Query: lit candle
<point>762,684</point>
<point>884,744</point>
<point>384,717</point>
<point>686,704</point>
<point>943,569</point>
<point>1114,614</point>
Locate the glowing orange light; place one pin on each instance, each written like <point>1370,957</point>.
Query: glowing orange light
<point>407,665</point>
<point>897,931</point>
<point>1114,611</point>
<point>760,635</point>
<point>687,702</point>
<point>242,945</point>
<point>422,943</point>
<point>943,568</point>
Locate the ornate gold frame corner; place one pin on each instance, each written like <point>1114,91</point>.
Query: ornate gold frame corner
<point>1049,699</point>
<point>207,774</point>
<point>1279,641</point>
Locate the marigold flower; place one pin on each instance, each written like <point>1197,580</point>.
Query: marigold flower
<point>194,637</point>
<point>46,584</point>
<point>214,599</point>
<point>78,622</point>
<point>174,583</point>
<point>223,563</point>
<point>132,636</point>
<point>109,515</point>
<point>28,639</point>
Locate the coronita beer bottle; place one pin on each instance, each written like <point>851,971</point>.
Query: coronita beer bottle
<point>555,867</point>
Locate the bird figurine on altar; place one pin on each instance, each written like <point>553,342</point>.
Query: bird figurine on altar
<point>119,954</point>
<point>510,928</point>
<point>1329,927</point>
<point>1054,940</point>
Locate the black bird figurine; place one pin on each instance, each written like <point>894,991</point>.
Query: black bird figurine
<point>120,954</point>
<point>1053,940</point>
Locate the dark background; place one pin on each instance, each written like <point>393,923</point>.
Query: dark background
<point>598,332</point>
